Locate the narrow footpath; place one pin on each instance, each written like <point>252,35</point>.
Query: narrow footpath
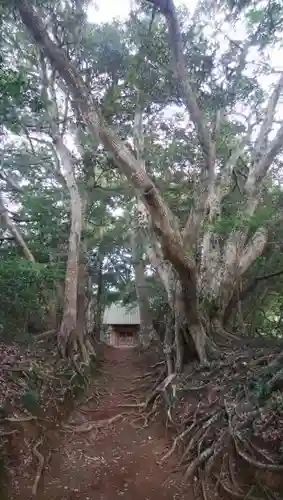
<point>114,461</point>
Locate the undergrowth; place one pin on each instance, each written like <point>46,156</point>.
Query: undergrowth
<point>227,424</point>
<point>40,390</point>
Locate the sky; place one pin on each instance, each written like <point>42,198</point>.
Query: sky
<point>101,11</point>
<point>107,10</point>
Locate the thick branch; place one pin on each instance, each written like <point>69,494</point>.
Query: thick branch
<point>261,142</point>
<point>264,153</point>
<point>163,268</point>
<point>167,8</point>
<point>261,168</point>
<point>253,250</point>
<point>8,221</point>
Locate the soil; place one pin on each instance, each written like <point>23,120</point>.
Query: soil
<point>110,461</point>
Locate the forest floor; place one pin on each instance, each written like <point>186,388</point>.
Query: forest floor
<point>211,430</point>
<point>115,455</point>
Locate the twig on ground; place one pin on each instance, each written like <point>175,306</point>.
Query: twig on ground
<point>40,466</point>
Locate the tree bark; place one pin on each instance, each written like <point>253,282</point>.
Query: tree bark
<point>69,339</point>
<point>168,342</point>
<point>147,332</point>
<point>81,297</point>
<point>11,226</point>
<point>164,223</point>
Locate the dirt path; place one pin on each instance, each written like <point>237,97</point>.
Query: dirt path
<point>117,461</point>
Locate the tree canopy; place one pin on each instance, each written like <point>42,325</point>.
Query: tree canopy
<point>141,161</point>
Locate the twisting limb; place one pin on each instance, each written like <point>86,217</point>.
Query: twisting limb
<point>167,8</point>
<point>12,227</point>
<point>261,142</point>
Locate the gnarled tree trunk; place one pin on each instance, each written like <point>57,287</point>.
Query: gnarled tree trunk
<point>164,222</point>
<point>213,281</point>
<point>69,339</point>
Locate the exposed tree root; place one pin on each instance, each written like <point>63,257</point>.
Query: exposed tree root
<point>16,420</point>
<point>129,405</point>
<point>145,416</point>
<point>45,335</point>
<point>231,491</point>
<point>252,461</point>
<point>216,438</point>
<point>40,466</point>
<point>176,442</point>
<point>160,363</point>
<point>8,433</point>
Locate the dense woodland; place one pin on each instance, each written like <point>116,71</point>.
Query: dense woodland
<point>141,161</point>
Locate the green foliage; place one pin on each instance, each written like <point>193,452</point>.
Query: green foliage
<point>30,400</point>
<point>16,92</point>
<point>259,386</point>
<point>115,60</point>
<point>24,293</point>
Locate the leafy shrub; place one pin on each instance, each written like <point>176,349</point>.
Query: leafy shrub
<point>25,288</point>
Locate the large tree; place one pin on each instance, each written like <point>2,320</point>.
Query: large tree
<point>199,263</point>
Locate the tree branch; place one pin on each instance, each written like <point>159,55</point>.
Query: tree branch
<point>168,9</point>
<point>261,142</point>
<point>11,226</point>
<point>269,276</point>
<point>261,168</point>
<point>57,170</point>
<point>264,153</point>
<point>253,250</point>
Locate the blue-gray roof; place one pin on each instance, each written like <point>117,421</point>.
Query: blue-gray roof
<point>118,314</point>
